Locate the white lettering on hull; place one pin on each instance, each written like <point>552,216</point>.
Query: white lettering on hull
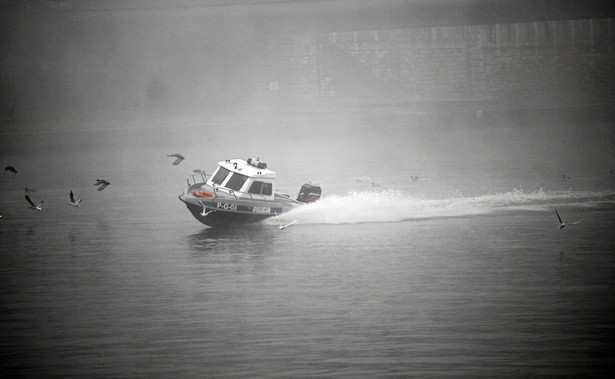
<point>227,206</point>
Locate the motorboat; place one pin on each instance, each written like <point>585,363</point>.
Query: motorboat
<point>240,192</point>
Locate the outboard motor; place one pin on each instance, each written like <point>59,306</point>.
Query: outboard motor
<point>309,193</point>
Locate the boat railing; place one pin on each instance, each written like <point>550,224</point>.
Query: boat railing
<point>196,179</point>
<point>257,197</point>
<point>223,190</point>
<point>239,195</point>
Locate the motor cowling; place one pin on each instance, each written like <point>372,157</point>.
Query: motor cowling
<point>309,193</point>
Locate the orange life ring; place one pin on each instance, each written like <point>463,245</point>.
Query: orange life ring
<point>203,194</point>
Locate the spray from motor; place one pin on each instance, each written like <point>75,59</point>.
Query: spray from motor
<point>397,206</point>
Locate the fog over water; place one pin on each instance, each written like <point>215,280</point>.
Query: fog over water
<point>112,91</point>
<point>136,150</point>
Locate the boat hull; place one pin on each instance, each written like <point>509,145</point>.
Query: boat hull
<point>223,211</point>
<point>223,218</point>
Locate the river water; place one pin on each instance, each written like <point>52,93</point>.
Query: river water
<point>461,272</point>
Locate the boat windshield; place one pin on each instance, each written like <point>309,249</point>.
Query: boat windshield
<point>236,182</point>
<point>261,188</point>
<point>256,188</point>
<point>267,189</point>
<point>220,176</point>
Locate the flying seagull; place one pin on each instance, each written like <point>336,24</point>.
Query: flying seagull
<point>102,183</point>
<point>205,212</point>
<point>11,169</point>
<point>179,159</point>
<point>562,224</point>
<point>73,202</point>
<point>38,207</point>
<point>282,227</point>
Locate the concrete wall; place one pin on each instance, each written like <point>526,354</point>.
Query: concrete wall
<point>522,64</point>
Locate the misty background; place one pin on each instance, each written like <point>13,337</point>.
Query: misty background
<point>107,89</point>
<point>502,110</point>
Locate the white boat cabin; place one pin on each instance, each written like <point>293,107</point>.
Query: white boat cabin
<point>244,180</point>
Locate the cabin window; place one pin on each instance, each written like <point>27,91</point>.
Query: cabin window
<point>261,188</point>
<point>220,175</point>
<point>256,188</point>
<point>236,182</point>
<point>267,189</point>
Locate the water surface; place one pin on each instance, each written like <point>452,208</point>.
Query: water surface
<point>447,275</point>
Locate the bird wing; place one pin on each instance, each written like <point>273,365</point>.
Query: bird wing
<point>30,201</point>
<point>103,186</point>
<point>178,161</point>
<point>72,197</point>
<point>292,222</point>
<point>558,217</point>
<point>11,169</point>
